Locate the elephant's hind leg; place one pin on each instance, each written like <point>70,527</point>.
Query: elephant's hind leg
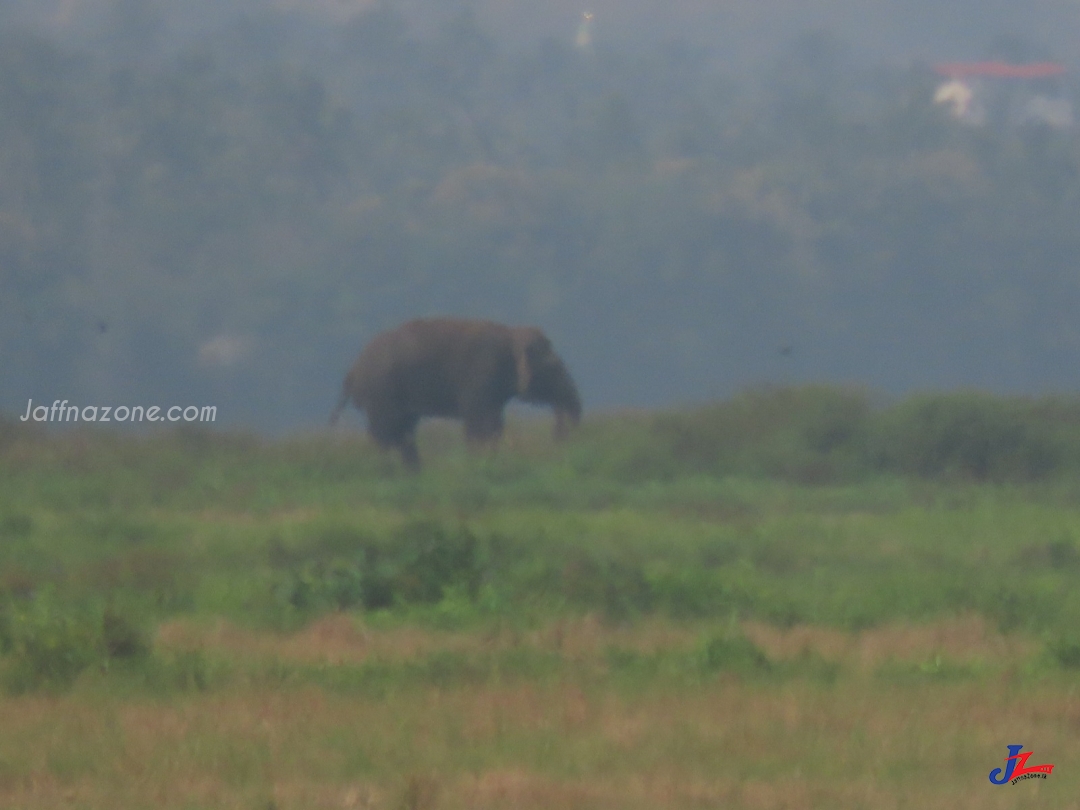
<point>396,431</point>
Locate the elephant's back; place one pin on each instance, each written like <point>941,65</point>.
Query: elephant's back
<point>428,361</point>
<point>440,340</point>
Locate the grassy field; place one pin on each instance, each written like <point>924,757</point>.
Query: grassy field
<point>794,599</point>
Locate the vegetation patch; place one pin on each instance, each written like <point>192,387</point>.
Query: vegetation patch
<point>207,614</point>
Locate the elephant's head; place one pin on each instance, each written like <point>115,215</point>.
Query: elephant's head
<point>542,379</point>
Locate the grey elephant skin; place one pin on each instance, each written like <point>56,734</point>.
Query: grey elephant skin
<point>457,368</point>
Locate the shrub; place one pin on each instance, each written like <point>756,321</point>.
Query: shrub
<point>123,638</point>
<point>1065,652</point>
<point>617,587</point>
<point>970,435</point>
<point>315,586</point>
<point>689,592</point>
<point>419,564</point>
<point>429,560</point>
<point>817,434</point>
<point>46,644</point>
<point>810,434</point>
<point>732,652</point>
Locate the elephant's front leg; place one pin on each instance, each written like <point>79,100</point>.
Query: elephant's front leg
<point>483,428</point>
<point>409,454</point>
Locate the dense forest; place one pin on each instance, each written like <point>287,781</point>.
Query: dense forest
<point>227,220</point>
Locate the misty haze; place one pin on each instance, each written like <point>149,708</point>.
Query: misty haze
<point>221,202</point>
<point>706,382</point>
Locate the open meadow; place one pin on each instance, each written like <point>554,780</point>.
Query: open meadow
<point>797,598</point>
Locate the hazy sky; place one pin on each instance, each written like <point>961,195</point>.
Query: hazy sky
<point>740,34</point>
<point>737,335</point>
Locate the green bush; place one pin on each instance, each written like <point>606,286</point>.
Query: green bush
<point>969,435</point>
<point>810,434</point>
<point>617,587</point>
<point>327,570</point>
<point>732,652</point>
<point>122,637</point>
<point>1065,652</point>
<point>690,592</point>
<point>428,560</point>
<point>46,644</point>
<point>420,563</point>
<point>320,585</point>
<point>818,434</point>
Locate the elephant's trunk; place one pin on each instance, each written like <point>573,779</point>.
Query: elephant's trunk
<point>564,421</point>
<point>567,406</point>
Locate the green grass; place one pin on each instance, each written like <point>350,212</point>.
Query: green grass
<point>775,552</point>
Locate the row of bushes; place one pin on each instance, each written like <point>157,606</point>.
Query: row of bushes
<point>810,434</point>
<point>49,652</point>
<point>822,434</point>
<point>427,563</point>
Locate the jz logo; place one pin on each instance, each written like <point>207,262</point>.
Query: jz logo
<point>1017,768</point>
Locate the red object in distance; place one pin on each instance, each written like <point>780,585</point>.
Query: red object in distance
<point>1035,70</point>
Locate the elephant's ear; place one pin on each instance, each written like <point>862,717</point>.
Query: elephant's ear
<point>520,340</point>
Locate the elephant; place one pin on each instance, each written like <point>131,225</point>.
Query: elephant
<point>459,368</point>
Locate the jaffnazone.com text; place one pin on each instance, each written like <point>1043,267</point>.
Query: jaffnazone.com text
<point>62,412</point>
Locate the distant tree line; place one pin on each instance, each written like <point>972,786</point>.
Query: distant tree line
<point>229,223</point>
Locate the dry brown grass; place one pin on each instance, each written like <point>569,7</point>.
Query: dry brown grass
<point>966,639</point>
<point>334,639</point>
<point>343,638</point>
<point>728,746</point>
<point>569,742</point>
